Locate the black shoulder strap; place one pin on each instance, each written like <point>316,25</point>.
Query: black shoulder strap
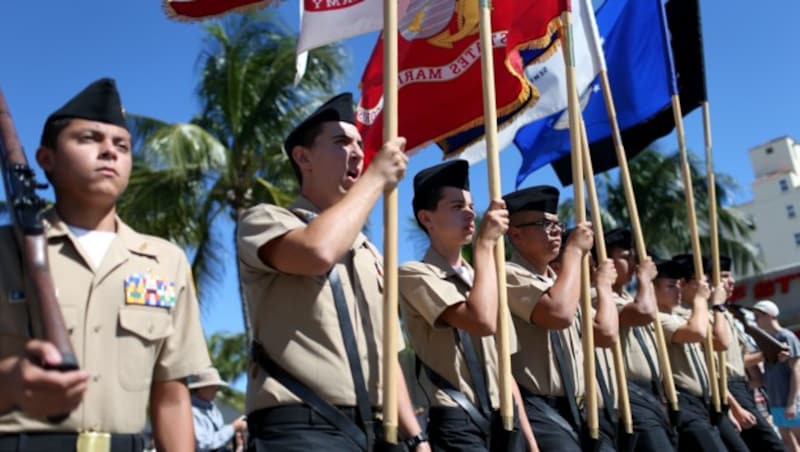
<point>328,412</point>
<point>475,415</point>
<point>363,405</point>
<point>565,372</point>
<point>464,341</point>
<point>655,381</point>
<point>476,370</point>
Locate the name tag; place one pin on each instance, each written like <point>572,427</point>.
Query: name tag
<point>148,290</point>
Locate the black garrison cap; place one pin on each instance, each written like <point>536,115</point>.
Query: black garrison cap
<point>670,270</point>
<point>338,108</point>
<point>97,102</point>
<point>542,198</point>
<point>619,238</point>
<point>687,262</point>
<point>453,173</point>
<point>724,264</point>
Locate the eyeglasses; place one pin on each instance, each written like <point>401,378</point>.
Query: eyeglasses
<point>547,225</point>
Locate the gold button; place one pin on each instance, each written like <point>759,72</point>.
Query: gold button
<point>97,328</point>
<point>96,377</point>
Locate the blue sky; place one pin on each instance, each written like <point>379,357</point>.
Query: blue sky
<point>52,49</point>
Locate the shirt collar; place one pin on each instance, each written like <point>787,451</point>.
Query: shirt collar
<point>137,243</point>
<point>517,258</point>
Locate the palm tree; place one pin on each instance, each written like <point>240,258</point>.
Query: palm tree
<point>229,356</point>
<point>661,201</point>
<point>190,176</point>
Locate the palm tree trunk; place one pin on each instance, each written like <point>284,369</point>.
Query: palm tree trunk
<point>248,329</point>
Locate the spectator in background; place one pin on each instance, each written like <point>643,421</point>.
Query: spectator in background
<point>782,378</point>
<point>210,432</point>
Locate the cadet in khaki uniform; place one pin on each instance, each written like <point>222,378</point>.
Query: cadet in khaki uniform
<point>684,332</point>
<point>648,409</point>
<point>313,284</point>
<point>450,310</point>
<point>606,333</point>
<point>722,338</point>
<point>127,298</point>
<point>549,365</point>
<point>756,432</point>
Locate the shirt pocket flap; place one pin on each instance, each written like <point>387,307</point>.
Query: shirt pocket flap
<point>147,323</point>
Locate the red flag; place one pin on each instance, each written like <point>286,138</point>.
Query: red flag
<point>203,9</point>
<point>439,75</point>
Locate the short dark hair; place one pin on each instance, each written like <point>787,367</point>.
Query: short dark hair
<point>428,203</point>
<point>51,131</point>
<point>306,139</point>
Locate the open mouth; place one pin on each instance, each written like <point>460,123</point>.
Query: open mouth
<point>353,173</point>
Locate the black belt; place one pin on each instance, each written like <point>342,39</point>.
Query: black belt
<point>64,442</point>
<point>293,414</point>
<point>478,417</point>
<point>736,378</point>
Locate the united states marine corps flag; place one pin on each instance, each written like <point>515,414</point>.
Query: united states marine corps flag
<point>439,77</point>
<point>203,9</point>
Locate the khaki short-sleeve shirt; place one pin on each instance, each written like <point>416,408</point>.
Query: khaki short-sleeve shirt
<point>735,353</point>
<point>133,320</point>
<point>535,367</point>
<point>294,317</point>
<point>427,289</point>
<point>636,364</point>
<point>682,357</point>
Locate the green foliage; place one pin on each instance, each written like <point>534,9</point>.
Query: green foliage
<point>229,356</point>
<point>661,202</point>
<point>230,155</point>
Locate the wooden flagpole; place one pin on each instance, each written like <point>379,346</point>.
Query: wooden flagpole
<point>716,274</point>
<point>602,255</point>
<point>390,261</point>
<point>695,238</point>
<point>638,235</point>
<point>573,108</point>
<point>493,164</point>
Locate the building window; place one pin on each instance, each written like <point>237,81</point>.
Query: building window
<point>769,151</point>
<point>797,239</point>
<point>783,184</point>
<point>790,211</point>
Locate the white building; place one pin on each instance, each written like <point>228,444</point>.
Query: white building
<point>775,208</point>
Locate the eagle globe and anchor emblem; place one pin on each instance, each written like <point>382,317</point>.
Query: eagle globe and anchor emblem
<point>429,19</point>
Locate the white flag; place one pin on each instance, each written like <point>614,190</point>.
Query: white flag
<point>326,21</point>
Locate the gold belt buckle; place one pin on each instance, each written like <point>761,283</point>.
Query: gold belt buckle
<point>93,442</point>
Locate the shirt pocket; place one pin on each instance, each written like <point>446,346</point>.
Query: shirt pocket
<point>141,332</point>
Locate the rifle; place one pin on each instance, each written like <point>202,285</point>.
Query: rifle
<point>768,345</point>
<point>25,208</point>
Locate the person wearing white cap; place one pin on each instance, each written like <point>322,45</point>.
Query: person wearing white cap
<point>782,378</point>
<point>210,431</point>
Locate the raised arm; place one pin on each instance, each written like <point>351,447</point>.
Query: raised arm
<point>606,318</point>
<point>478,314</point>
<point>557,307</point>
<point>643,309</point>
<point>314,249</point>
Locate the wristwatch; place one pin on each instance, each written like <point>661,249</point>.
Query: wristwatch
<point>719,307</point>
<point>416,440</point>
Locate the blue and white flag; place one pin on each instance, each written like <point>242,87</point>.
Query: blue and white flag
<point>638,57</point>
<point>547,75</point>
